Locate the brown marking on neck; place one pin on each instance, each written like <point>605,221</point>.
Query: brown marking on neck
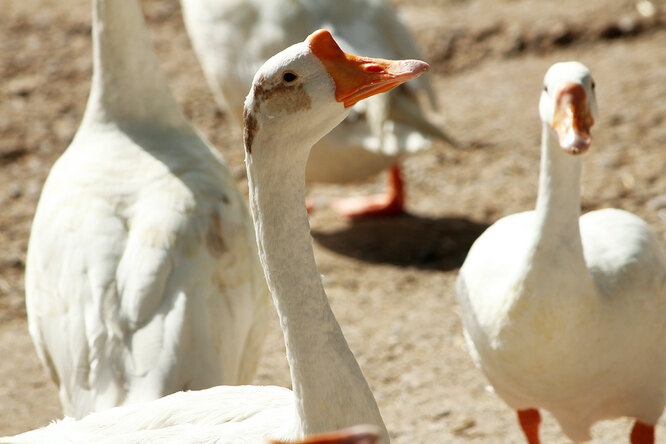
<point>280,97</point>
<point>286,98</point>
<point>214,237</point>
<point>250,127</point>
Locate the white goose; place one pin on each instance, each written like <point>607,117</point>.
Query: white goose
<point>314,82</point>
<point>563,312</point>
<point>142,276</point>
<point>232,38</point>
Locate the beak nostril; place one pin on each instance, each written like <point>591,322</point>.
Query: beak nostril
<point>373,68</point>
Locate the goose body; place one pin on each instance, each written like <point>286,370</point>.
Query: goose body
<point>311,80</point>
<point>142,274</point>
<point>223,415</point>
<point>564,312</point>
<point>233,38</point>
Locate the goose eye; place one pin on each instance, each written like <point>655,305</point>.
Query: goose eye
<point>594,85</point>
<point>289,76</point>
<point>545,89</point>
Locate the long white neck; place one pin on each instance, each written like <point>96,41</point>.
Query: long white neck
<point>558,201</point>
<point>127,84</point>
<point>557,240</point>
<point>328,384</point>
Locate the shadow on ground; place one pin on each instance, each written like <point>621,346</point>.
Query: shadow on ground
<point>406,240</point>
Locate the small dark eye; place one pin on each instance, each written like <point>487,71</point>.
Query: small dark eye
<point>289,76</point>
<point>545,88</point>
<point>594,85</point>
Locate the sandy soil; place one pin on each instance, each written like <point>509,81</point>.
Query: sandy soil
<point>391,282</point>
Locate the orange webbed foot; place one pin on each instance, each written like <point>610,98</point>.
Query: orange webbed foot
<point>390,203</point>
<point>529,420</point>
<point>642,433</point>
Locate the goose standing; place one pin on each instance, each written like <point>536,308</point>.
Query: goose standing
<point>314,82</point>
<point>142,275</point>
<point>563,312</point>
<point>233,38</point>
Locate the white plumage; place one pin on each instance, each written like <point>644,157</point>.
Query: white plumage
<point>142,271</point>
<point>220,415</point>
<point>233,38</point>
<point>564,312</point>
<point>329,389</point>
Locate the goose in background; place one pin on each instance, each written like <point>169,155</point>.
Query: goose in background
<point>563,312</point>
<point>233,38</point>
<point>142,274</point>
<point>315,82</point>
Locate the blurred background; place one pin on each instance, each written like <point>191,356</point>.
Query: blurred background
<point>391,282</point>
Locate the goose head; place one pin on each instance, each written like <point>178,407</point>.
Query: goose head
<point>568,105</point>
<point>309,88</point>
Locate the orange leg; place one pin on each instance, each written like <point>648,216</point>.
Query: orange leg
<point>310,206</point>
<point>529,421</point>
<point>642,433</point>
<point>391,202</point>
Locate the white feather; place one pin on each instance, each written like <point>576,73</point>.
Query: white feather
<point>142,274</point>
<point>233,38</point>
<point>329,389</point>
<point>566,314</point>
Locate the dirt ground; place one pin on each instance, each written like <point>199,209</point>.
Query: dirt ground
<point>390,282</point>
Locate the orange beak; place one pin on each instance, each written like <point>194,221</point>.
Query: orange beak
<point>573,120</point>
<point>357,78</point>
<point>360,434</point>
